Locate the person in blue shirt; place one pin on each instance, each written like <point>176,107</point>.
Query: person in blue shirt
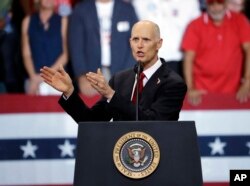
<point>43,43</point>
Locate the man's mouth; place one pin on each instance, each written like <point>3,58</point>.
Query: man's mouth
<point>140,54</point>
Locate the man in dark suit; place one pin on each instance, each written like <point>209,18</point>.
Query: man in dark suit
<point>161,98</point>
<point>99,31</point>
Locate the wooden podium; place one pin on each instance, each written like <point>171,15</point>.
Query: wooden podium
<point>179,162</point>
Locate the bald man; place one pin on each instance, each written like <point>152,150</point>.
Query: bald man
<point>163,90</point>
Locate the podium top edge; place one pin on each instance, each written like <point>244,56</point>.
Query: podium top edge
<point>136,122</point>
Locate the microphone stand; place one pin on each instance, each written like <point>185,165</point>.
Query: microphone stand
<point>139,70</point>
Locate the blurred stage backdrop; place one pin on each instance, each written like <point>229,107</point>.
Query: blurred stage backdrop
<point>38,140</point>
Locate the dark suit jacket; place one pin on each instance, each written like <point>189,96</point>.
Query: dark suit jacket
<point>161,99</point>
<point>84,37</point>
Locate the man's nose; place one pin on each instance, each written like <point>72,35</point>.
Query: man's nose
<point>140,43</point>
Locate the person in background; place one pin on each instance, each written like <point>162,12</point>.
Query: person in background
<point>5,42</point>
<point>203,5</point>
<point>247,9</point>
<point>172,16</point>
<point>217,54</point>
<point>43,43</point>
<point>11,66</point>
<point>162,94</point>
<point>27,6</point>
<point>63,7</point>
<point>236,5</point>
<point>99,32</point>
<point>242,6</point>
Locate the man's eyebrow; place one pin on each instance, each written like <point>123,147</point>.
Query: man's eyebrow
<point>136,37</point>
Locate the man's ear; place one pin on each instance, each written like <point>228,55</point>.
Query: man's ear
<point>159,43</point>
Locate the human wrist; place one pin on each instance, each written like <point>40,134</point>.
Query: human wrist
<point>245,81</point>
<point>190,88</point>
<point>69,92</point>
<point>110,94</point>
<point>33,76</point>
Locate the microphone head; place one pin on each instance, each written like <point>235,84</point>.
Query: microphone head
<point>138,68</point>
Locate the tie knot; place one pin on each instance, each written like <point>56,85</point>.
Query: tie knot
<point>142,76</point>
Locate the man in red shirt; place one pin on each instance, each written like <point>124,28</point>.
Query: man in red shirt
<point>217,54</point>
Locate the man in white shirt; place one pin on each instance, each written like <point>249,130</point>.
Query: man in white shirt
<point>99,32</point>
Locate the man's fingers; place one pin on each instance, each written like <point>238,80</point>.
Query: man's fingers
<point>99,72</point>
<point>195,102</point>
<point>91,79</point>
<point>46,73</point>
<point>96,79</point>
<point>243,99</point>
<point>49,70</point>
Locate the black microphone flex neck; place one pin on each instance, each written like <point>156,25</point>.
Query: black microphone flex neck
<point>138,68</point>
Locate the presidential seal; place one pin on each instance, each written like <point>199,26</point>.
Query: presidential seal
<point>136,155</point>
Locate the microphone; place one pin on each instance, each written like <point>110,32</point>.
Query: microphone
<point>138,68</point>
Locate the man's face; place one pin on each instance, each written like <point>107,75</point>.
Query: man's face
<point>216,9</point>
<point>235,5</point>
<point>145,43</point>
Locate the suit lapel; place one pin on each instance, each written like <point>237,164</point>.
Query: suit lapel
<point>129,84</point>
<point>154,82</point>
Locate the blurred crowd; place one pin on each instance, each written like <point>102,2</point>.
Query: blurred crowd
<point>207,42</point>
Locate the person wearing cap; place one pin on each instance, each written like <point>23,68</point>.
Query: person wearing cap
<point>216,49</point>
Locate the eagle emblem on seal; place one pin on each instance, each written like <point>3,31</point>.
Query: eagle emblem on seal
<point>137,156</point>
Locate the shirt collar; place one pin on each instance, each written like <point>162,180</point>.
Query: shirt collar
<point>150,71</point>
<point>206,18</point>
